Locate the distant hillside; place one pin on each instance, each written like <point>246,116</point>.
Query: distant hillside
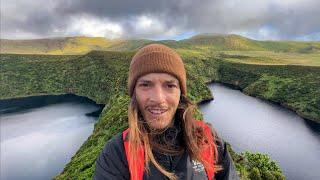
<point>82,45</point>
<point>236,42</point>
<point>223,42</point>
<point>67,46</point>
<point>102,77</point>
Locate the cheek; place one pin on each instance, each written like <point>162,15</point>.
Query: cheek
<point>141,108</point>
<point>141,101</point>
<point>174,100</point>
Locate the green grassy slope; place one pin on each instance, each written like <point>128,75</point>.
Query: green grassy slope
<point>82,45</point>
<point>82,75</point>
<point>271,58</point>
<point>295,87</point>
<point>239,43</point>
<point>283,72</point>
<point>101,76</point>
<point>67,46</point>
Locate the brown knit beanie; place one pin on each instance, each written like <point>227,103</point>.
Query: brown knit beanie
<point>156,58</point>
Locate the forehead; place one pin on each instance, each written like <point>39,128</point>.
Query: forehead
<point>158,76</point>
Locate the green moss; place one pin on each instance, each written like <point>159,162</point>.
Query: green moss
<point>113,120</point>
<point>255,166</point>
<point>296,87</point>
<point>102,77</point>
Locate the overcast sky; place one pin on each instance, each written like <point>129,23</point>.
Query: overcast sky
<point>161,19</point>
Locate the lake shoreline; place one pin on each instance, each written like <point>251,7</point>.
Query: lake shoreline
<point>202,101</point>
<point>235,87</point>
<point>28,102</point>
<point>44,130</point>
<point>256,125</point>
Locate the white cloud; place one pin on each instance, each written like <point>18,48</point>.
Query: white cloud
<point>263,33</point>
<point>94,27</point>
<point>19,34</point>
<point>147,25</point>
<point>153,19</point>
<point>290,3</point>
<point>310,37</point>
<point>144,22</point>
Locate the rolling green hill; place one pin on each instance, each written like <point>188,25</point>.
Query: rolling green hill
<point>67,46</point>
<point>239,43</point>
<point>102,77</point>
<point>83,45</point>
<point>287,73</point>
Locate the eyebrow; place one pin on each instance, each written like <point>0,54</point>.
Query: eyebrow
<point>143,80</point>
<point>149,81</point>
<point>172,81</point>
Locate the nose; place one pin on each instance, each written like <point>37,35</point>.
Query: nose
<point>157,94</point>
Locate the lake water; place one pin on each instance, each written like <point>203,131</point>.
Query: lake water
<point>252,124</point>
<point>39,135</point>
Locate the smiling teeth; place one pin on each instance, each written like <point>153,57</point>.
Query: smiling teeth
<point>156,111</point>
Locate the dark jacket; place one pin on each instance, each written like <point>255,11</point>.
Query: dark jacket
<point>112,164</point>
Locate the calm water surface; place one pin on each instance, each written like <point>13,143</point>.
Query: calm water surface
<point>37,141</point>
<point>255,125</point>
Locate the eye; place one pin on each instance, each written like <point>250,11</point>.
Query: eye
<point>144,84</point>
<point>171,86</point>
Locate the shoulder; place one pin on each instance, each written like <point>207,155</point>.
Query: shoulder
<point>114,150</point>
<point>115,144</point>
<point>220,144</point>
<point>224,159</point>
<point>218,141</point>
<point>112,162</point>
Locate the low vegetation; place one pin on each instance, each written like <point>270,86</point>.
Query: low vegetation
<point>295,87</point>
<point>102,76</point>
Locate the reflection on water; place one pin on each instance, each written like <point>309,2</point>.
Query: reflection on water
<point>37,143</point>
<point>252,124</point>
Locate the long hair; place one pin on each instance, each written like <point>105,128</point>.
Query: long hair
<point>193,137</point>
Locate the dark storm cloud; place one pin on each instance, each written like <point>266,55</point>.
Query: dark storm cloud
<point>264,19</point>
<point>113,9</point>
<point>31,19</point>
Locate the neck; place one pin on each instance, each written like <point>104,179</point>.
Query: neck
<point>170,141</point>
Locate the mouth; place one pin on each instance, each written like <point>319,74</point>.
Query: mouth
<point>157,111</point>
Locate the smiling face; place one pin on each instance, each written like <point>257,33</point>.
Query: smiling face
<point>158,96</point>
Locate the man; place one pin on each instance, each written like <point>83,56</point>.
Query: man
<point>163,140</point>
